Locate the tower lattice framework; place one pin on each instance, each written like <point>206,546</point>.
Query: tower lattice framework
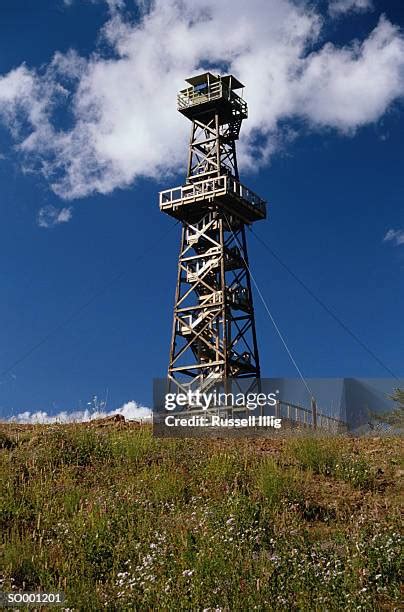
<point>214,336</point>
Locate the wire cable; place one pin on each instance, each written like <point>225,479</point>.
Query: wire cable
<point>278,331</point>
<point>324,306</point>
<point>82,307</point>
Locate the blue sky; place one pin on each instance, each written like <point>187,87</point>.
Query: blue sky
<point>332,176</point>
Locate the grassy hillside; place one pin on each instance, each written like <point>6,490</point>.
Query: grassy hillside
<point>119,520</point>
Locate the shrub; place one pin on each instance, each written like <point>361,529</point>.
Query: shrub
<point>356,471</point>
<point>6,442</point>
<point>74,446</point>
<point>315,454</point>
<point>276,484</point>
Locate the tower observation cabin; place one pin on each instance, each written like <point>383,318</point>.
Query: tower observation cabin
<point>214,333</point>
<point>212,104</point>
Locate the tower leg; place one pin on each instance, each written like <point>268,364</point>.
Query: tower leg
<point>213,335</point>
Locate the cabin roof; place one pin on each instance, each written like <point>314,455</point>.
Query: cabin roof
<point>229,79</point>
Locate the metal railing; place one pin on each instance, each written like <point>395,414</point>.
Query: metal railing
<point>209,188</point>
<point>246,194</point>
<point>206,188</point>
<point>304,416</point>
<point>193,96</point>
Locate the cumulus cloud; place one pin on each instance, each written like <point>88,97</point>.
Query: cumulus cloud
<point>338,7</point>
<point>131,411</point>
<point>119,110</point>
<point>49,216</point>
<point>395,236</point>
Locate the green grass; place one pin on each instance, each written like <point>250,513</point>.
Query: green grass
<point>327,457</point>
<point>119,520</point>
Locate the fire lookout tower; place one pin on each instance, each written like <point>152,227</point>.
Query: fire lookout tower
<point>213,335</point>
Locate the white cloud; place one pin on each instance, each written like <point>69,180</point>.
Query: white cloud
<point>338,7</point>
<point>354,86</point>
<point>49,216</point>
<point>395,236</point>
<point>120,109</point>
<point>131,411</point>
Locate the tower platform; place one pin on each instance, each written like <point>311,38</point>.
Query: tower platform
<point>187,201</point>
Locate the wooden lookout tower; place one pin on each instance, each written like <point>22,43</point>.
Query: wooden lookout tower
<point>214,336</point>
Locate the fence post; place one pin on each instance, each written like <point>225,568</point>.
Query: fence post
<point>314,412</point>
